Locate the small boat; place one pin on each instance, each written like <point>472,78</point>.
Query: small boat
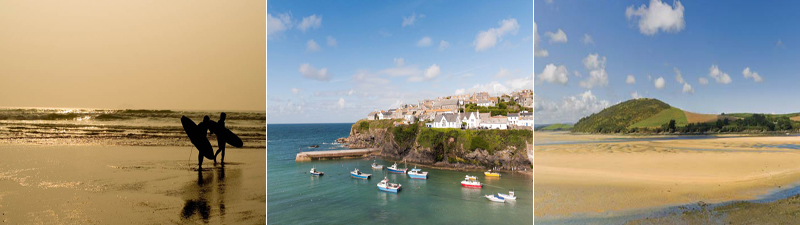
<point>509,196</point>
<point>472,182</point>
<point>358,174</point>
<point>491,174</point>
<point>494,198</point>
<point>384,185</point>
<point>394,169</point>
<point>376,166</point>
<point>417,174</point>
<point>313,146</point>
<point>315,172</point>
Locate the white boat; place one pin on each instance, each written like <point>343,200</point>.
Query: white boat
<point>394,169</point>
<point>417,174</point>
<point>315,172</point>
<point>494,198</point>
<point>384,185</point>
<point>471,182</point>
<point>358,174</point>
<point>376,166</point>
<point>509,196</point>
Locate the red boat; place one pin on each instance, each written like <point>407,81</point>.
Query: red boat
<point>471,182</point>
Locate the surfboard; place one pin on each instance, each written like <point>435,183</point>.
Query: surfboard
<point>230,138</point>
<point>197,137</point>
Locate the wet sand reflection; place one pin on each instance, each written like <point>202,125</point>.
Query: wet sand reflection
<point>206,198</point>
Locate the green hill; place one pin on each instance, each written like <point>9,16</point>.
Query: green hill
<point>619,117</point>
<point>662,118</point>
<point>556,127</point>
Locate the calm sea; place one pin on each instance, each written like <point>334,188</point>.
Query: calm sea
<point>296,197</point>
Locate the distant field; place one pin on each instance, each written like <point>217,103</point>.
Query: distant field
<point>663,117</point>
<point>699,118</point>
<point>796,118</point>
<point>557,127</point>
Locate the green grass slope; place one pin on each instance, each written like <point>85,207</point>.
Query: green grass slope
<point>556,127</point>
<point>662,118</point>
<point>619,117</point>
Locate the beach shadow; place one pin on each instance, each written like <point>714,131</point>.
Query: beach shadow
<point>206,197</point>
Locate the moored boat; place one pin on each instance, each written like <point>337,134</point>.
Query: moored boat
<point>358,174</point>
<point>471,181</point>
<point>494,198</point>
<point>509,196</point>
<point>315,172</point>
<point>376,166</point>
<point>394,169</point>
<point>417,174</point>
<point>491,174</point>
<point>384,185</point>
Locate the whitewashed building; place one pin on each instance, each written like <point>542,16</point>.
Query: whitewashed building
<point>446,121</point>
<point>525,119</point>
<point>495,122</point>
<point>472,119</point>
<point>486,103</point>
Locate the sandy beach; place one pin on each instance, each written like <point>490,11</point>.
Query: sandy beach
<point>612,178</point>
<point>129,185</point>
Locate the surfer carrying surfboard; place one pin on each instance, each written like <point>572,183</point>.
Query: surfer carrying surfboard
<point>198,135</point>
<point>220,138</point>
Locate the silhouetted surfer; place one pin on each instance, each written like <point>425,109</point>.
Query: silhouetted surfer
<point>203,127</point>
<point>220,138</point>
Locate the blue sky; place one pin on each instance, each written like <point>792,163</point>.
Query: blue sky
<point>389,53</point>
<point>654,38</point>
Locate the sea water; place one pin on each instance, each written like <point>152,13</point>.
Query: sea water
<point>296,197</point>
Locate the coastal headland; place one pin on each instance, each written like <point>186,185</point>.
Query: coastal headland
<point>447,148</point>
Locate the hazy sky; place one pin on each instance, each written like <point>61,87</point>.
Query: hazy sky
<point>133,54</point>
<point>335,61</point>
<point>701,56</point>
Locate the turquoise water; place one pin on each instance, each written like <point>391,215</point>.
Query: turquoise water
<point>296,197</point>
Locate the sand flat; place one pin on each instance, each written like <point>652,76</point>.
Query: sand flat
<point>129,185</point>
<point>607,178</point>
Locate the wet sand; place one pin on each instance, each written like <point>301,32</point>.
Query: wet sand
<point>610,179</point>
<point>129,185</point>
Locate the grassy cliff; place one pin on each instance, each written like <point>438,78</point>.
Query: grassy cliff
<point>619,117</point>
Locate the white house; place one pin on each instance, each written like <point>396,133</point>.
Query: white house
<point>496,122</point>
<point>525,119</point>
<point>472,119</point>
<point>446,121</point>
<point>512,118</point>
<point>486,103</point>
<point>384,115</point>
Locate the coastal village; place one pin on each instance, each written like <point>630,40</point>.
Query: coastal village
<point>467,111</point>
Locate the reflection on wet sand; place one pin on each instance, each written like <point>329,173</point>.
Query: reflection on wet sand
<point>209,188</point>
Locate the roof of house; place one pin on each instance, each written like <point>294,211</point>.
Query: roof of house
<point>513,115</point>
<point>485,101</point>
<point>448,117</point>
<point>496,120</point>
<point>526,114</point>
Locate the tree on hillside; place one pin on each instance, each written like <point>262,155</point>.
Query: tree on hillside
<point>671,126</point>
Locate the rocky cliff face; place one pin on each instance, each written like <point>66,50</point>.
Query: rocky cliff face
<point>477,159</point>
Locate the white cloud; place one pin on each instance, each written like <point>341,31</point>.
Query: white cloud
<point>432,71</point>
<point>635,95</point>
<point>494,88</point>
<point>399,61</point>
<point>310,72</point>
<point>310,22</point>
<point>407,21</point>
<point>341,103</point>
<point>537,50</point>
<point>488,39</point>
<point>576,73</point>
<point>276,25</point>
<point>460,91</point>
<point>678,76</point>
<point>702,81</point>
<point>411,70</point>
<point>443,45</point>
<point>516,84</point>
<point>502,73</point>
<point>660,83</point>
<point>557,37</point>
<point>312,46</point>
<point>365,79</point>
<point>425,42</point>
<point>332,41</point>
<point>569,109</point>
<point>554,74</point>
<point>718,75</point>
<point>752,74</point>
<point>597,71</point>
<point>630,80</point>
<point>659,16</point>
<point>687,88</point>
<point>296,90</point>
<point>587,39</point>
<point>351,92</point>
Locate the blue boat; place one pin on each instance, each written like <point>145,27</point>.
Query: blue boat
<point>358,174</point>
<point>384,185</point>
<point>394,169</point>
<point>315,172</point>
<point>417,174</point>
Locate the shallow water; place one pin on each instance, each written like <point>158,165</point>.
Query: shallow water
<point>296,197</point>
